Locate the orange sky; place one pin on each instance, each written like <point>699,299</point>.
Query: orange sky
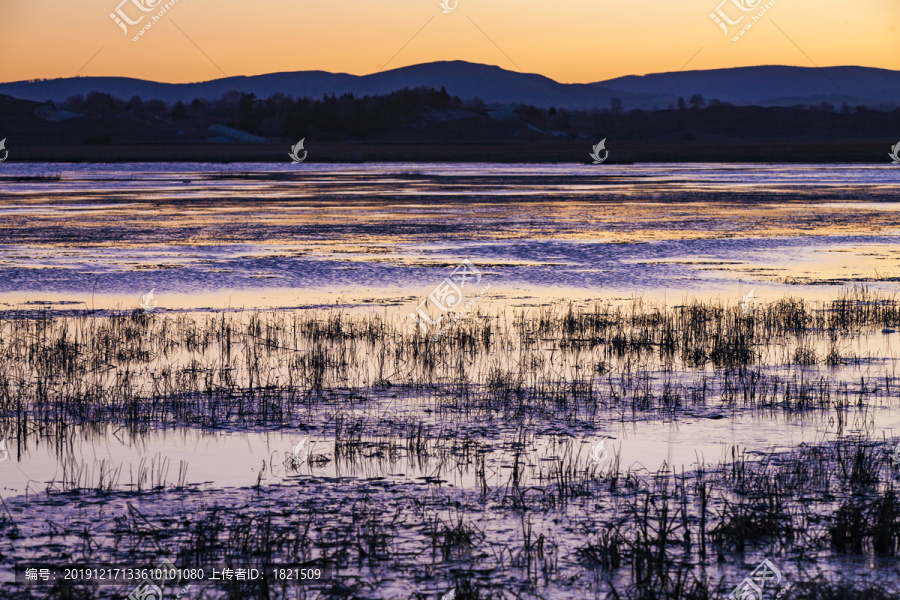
<point>569,40</point>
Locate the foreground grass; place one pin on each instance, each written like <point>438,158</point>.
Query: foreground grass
<point>550,522</point>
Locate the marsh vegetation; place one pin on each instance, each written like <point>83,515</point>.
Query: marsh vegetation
<point>507,405</point>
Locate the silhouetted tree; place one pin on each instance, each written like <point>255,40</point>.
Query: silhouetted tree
<point>179,111</point>
<point>74,103</point>
<point>198,108</point>
<point>157,107</point>
<point>99,103</point>
<point>615,105</point>
<point>247,119</point>
<point>135,104</point>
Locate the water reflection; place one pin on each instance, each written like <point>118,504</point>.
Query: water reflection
<point>112,457</point>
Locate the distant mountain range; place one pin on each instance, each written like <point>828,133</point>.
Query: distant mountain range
<point>762,86</point>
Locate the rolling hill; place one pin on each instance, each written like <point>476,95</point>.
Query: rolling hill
<point>762,86</point>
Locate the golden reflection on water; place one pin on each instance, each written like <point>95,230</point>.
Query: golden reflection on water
<point>613,209</point>
<point>151,221</point>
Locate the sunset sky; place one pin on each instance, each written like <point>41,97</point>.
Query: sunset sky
<point>570,40</point>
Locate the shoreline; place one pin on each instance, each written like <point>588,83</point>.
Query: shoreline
<point>519,151</point>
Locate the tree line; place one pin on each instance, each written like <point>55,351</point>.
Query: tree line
<point>351,117</point>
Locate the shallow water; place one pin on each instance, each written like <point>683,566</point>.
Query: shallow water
<point>218,236</point>
<point>377,239</point>
<point>112,457</point>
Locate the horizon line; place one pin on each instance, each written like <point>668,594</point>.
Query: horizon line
<point>230,77</point>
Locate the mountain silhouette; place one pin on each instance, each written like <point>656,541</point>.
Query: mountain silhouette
<point>761,86</point>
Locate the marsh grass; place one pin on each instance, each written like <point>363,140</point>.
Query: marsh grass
<point>255,369</point>
<point>502,399</point>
